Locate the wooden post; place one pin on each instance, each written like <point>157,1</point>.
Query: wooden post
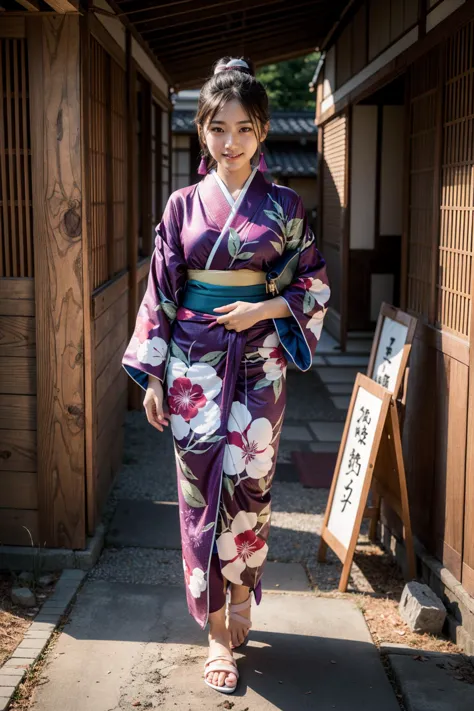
<point>89,343</point>
<point>55,105</point>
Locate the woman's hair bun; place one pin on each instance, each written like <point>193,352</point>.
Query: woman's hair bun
<point>234,64</point>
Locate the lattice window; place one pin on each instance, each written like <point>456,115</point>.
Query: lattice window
<point>98,163</point>
<point>119,165</point>
<point>334,169</point>
<point>16,211</point>
<point>107,165</point>
<point>423,117</point>
<point>453,284</point>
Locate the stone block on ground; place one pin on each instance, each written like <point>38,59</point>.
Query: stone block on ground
<point>23,597</point>
<point>421,609</point>
<point>26,578</point>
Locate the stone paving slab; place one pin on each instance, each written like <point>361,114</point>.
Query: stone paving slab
<point>339,388</point>
<point>324,446</point>
<point>296,433</point>
<point>337,375</point>
<point>328,431</point>
<point>431,684</point>
<point>4,702</point>
<point>147,524</point>
<point>128,643</point>
<point>341,401</point>
<point>361,361</point>
<point>285,577</point>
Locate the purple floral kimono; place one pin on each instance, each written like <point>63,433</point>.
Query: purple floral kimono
<point>226,390</point>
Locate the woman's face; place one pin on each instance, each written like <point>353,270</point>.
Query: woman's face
<point>231,138</point>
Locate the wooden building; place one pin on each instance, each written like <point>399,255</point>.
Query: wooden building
<point>395,109</point>
<point>84,175</point>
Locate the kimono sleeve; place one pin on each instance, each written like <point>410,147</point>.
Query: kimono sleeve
<point>147,352</point>
<point>306,296</point>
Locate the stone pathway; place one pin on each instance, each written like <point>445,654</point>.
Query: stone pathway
<point>135,645</point>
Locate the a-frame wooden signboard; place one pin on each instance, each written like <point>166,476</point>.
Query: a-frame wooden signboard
<point>370,456</point>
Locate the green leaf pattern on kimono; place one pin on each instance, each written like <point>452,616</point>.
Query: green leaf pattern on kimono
<point>192,495</point>
<point>168,306</point>
<point>213,358</point>
<point>291,230</point>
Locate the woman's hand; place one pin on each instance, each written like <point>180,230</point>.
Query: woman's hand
<point>240,315</point>
<point>153,404</point>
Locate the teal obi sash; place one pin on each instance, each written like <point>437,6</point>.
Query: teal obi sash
<point>204,298</point>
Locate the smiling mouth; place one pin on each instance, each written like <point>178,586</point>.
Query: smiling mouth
<point>237,155</point>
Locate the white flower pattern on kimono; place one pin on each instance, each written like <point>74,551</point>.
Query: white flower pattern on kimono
<point>196,581</point>
<point>275,361</point>
<point>248,444</point>
<point>315,324</point>
<point>321,291</point>
<point>191,393</point>
<point>241,546</point>
<point>152,351</point>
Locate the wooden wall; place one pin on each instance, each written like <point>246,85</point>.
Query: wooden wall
<point>439,432</point>
<point>18,461</point>
<point>372,28</point>
<point>109,340</point>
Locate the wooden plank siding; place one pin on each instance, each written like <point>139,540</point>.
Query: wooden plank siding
<point>110,307</point>
<point>18,451</point>
<point>334,186</point>
<point>18,404</point>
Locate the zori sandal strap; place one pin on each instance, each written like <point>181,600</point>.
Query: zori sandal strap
<point>238,606</point>
<point>221,663</point>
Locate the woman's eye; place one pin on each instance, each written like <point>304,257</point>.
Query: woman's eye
<point>246,128</point>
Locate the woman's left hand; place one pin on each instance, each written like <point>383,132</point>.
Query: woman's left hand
<point>240,316</point>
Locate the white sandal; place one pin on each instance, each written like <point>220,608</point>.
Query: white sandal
<point>221,663</point>
<point>233,609</point>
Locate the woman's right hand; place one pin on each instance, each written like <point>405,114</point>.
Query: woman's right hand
<point>153,404</point>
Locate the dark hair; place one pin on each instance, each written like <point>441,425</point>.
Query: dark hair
<point>228,84</point>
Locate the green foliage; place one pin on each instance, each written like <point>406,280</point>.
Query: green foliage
<point>287,82</point>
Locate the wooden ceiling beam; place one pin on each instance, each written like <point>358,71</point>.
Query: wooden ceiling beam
<point>276,46</point>
<point>64,6</point>
<point>257,19</point>
<point>228,46</point>
<point>30,5</point>
<point>196,15</point>
<point>186,80</point>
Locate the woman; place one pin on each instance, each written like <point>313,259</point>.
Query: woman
<point>212,343</point>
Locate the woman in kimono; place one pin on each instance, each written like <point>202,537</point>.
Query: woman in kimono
<point>211,347</point>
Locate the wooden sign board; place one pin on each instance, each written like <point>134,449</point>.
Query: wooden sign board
<point>388,362</point>
<point>391,348</point>
<point>371,434</point>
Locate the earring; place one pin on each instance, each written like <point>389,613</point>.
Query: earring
<point>202,170</point>
<point>262,166</point>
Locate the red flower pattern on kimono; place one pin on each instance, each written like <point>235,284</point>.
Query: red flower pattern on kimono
<point>241,546</point>
<point>248,444</point>
<point>185,399</point>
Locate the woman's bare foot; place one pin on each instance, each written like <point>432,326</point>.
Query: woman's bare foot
<point>219,643</point>
<point>238,630</point>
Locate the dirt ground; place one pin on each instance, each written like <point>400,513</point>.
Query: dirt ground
<point>14,619</point>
